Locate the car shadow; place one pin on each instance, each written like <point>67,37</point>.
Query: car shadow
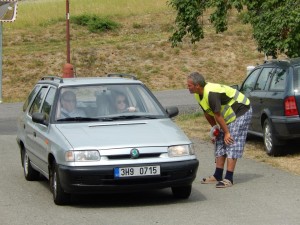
<point>130,199</point>
<point>134,199</point>
<point>292,148</point>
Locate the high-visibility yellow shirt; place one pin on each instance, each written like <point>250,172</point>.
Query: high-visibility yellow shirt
<point>226,109</point>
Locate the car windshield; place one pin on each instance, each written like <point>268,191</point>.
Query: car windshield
<point>106,103</point>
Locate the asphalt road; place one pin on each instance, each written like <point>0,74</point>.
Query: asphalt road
<point>261,194</point>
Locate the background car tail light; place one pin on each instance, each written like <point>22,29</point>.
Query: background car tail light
<point>290,106</point>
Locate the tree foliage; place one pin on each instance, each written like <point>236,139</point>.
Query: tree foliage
<point>275,23</point>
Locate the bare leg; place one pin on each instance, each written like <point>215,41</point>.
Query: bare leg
<point>220,161</point>
<point>231,164</point>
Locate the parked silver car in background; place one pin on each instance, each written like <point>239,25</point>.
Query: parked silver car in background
<point>72,132</point>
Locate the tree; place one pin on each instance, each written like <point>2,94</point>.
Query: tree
<point>275,23</point>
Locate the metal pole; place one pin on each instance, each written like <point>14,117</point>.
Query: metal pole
<point>0,62</point>
<point>68,31</point>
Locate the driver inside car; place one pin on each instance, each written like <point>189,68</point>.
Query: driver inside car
<point>68,106</point>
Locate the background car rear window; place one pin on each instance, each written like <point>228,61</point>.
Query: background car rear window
<point>297,78</point>
<point>278,80</point>
<point>264,79</point>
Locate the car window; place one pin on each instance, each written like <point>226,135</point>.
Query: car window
<point>47,105</point>
<point>38,101</point>
<point>278,80</point>
<point>263,79</point>
<point>30,97</point>
<point>106,101</point>
<point>249,83</point>
<point>297,78</point>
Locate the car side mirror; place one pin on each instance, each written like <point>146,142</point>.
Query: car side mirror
<point>39,118</point>
<point>172,111</point>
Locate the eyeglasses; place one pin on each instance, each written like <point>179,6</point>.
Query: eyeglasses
<point>121,101</point>
<point>70,100</point>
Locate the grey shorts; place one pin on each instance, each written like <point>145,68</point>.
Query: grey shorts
<point>238,131</point>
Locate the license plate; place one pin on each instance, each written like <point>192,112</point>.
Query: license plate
<point>137,171</point>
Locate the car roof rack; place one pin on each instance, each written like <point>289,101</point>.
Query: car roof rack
<point>286,60</point>
<point>53,78</point>
<point>123,75</point>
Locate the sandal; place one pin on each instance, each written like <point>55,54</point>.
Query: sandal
<point>209,180</point>
<point>224,184</point>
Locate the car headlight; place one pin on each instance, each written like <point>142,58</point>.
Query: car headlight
<point>82,156</point>
<point>181,150</point>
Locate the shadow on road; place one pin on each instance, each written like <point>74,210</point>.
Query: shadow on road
<point>246,177</point>
<point>136,199</point>
<point>131,199</point>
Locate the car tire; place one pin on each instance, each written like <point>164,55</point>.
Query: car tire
<point>182,192</point>
<point>271,143</point>
<point>60,197</point>
<point>29,173</point>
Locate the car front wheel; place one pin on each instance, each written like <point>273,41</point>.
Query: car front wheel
<point>60,197</point>
<point>29,173</point>
<point>182,192</point>
<point>270,142</point>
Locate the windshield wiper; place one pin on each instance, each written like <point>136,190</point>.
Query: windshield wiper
<point>133,117</point>
<point>108,118</point>
<point>79,119</point>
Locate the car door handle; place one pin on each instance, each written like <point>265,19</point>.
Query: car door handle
<point>34,133</point>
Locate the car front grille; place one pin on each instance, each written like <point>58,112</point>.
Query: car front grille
<point>128,156</point>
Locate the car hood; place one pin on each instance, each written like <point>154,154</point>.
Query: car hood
<point>159,132</point>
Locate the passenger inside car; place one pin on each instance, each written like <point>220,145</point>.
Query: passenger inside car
<point>69,106</point>
<point>121,103</point>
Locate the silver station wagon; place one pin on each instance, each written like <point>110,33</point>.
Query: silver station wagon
<point>100,135</point>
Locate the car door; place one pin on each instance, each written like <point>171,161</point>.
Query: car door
<point>23,116</point>
<point>258,97</point>
<point>42,131</point>
<point>33,144</point>
<point>248,87</point>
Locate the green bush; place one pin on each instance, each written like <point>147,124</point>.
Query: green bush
<point>95,23</point>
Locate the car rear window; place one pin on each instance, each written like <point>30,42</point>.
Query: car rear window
<point>297,78</point>
<point>263,80</point>
<point>278,80</point>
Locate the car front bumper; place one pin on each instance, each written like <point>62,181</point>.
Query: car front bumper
<point>100,179</point>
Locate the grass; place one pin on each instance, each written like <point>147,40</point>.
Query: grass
<point>35,45</point>
<point>33,13</point>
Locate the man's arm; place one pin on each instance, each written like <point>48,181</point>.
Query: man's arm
<point>210,119</point>
<point>215,104</point>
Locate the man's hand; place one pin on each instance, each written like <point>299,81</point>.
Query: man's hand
<point>228,139</point>
<point>131,109</point>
